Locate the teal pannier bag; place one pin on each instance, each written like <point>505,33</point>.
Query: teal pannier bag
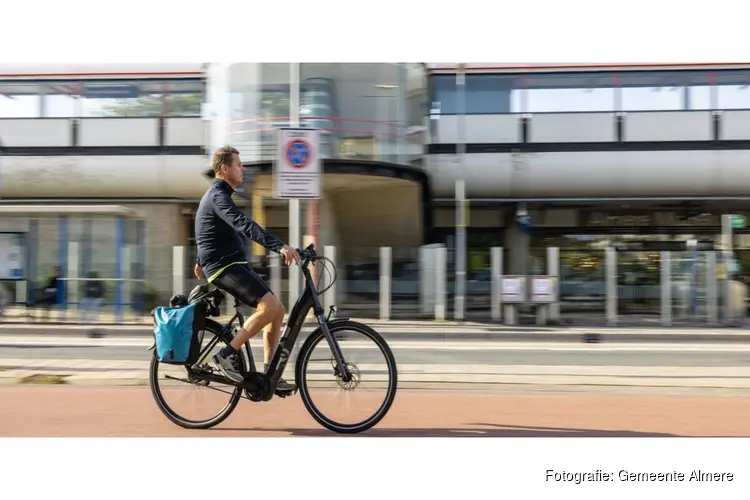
<point>178,333</point>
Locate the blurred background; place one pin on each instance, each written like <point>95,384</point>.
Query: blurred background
<point>630,172</point>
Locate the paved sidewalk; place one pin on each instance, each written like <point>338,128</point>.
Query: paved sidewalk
<point>446,330</point>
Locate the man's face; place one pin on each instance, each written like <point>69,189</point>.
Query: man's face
<point>233,173</point>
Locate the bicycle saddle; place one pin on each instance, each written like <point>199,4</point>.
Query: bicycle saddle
<point>197,293</point>
<point>213,298</point>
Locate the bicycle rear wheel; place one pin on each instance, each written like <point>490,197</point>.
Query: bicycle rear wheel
<point>317,373</point>
<point>213,400</point>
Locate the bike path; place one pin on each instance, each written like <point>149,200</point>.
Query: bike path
<point>60,411</point>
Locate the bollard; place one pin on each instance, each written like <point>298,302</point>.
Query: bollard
<point>385,283</point>
<point>553,270</point>
<point>511,314</point>
<point>330,296</point>
<point>427,284</point>
<point>440,282</point>
<point>178,270</point>
<point>666,289</point>
<point>21,292</point>
<point>274,264</point>
<point>712,290</point>
<point>71,275</point>
<point>127,279</point>
<point>611,286</point>
<point>496,266</point>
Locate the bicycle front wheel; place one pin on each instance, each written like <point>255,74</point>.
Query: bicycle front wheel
<point>370,393</point>
<point>192,403</point>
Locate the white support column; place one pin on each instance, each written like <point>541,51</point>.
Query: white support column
<point>385,283</point>
<point>178,270</point>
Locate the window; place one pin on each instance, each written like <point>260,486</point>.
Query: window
<point>485,94</point>
<point>443,94</point>
<point>489,94</point>
<point>19,101</point>
<point>592,91</point>
<point>184,99</point>
<point>655,90</point>
<point>569,92</point>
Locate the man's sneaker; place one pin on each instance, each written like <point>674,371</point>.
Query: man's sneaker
<point>229,366</point>
<point>284,386</point>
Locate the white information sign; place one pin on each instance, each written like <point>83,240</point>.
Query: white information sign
<point>543,288</point>
<point>297,169</point>
<point>513,288</point>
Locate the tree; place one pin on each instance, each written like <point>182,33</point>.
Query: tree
<point>178,105</point>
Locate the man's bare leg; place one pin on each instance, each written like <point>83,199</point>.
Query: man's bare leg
<point>267,310</point>
<point>272,336</point>
<point>227,360</point>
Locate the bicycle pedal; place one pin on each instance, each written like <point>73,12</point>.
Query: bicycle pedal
<point>284,394</point>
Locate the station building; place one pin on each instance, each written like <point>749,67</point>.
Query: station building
<point>642,158</point>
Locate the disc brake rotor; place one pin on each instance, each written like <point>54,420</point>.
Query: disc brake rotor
<point>356,376</point>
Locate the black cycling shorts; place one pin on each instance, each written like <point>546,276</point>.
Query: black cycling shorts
<point>243,283</point>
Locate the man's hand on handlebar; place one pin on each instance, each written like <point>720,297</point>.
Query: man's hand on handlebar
<point>290,255</point>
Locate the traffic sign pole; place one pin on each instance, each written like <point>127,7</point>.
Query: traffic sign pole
<point>294,204</point>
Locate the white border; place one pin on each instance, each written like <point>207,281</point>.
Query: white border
<point>221,31</point>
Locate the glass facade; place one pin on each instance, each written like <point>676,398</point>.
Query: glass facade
<point>593,91</point>
<point>77,249</point>
<point>93,98</point>
<point>361,109</point>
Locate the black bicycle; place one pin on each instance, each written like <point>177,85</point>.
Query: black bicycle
<point>310,372</point>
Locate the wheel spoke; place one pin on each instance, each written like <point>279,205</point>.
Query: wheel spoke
<point>367,397</point>
<point>210,402</point>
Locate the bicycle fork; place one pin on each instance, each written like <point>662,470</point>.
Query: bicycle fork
<point>346,376</point>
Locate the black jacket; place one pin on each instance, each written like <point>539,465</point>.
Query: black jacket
<point>219,227</point>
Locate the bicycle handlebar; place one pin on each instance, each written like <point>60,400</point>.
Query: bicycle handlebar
<point>308,253</point>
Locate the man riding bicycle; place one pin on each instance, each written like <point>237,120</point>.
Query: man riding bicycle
<point>219,227</point>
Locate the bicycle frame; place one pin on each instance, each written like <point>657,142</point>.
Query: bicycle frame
<point>307,300</point>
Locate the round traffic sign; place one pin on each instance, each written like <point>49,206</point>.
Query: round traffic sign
<point>298,153</point>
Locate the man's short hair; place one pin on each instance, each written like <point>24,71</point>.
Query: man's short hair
<point>224,156</point>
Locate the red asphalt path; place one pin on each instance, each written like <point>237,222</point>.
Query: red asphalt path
<point>60,411</point>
